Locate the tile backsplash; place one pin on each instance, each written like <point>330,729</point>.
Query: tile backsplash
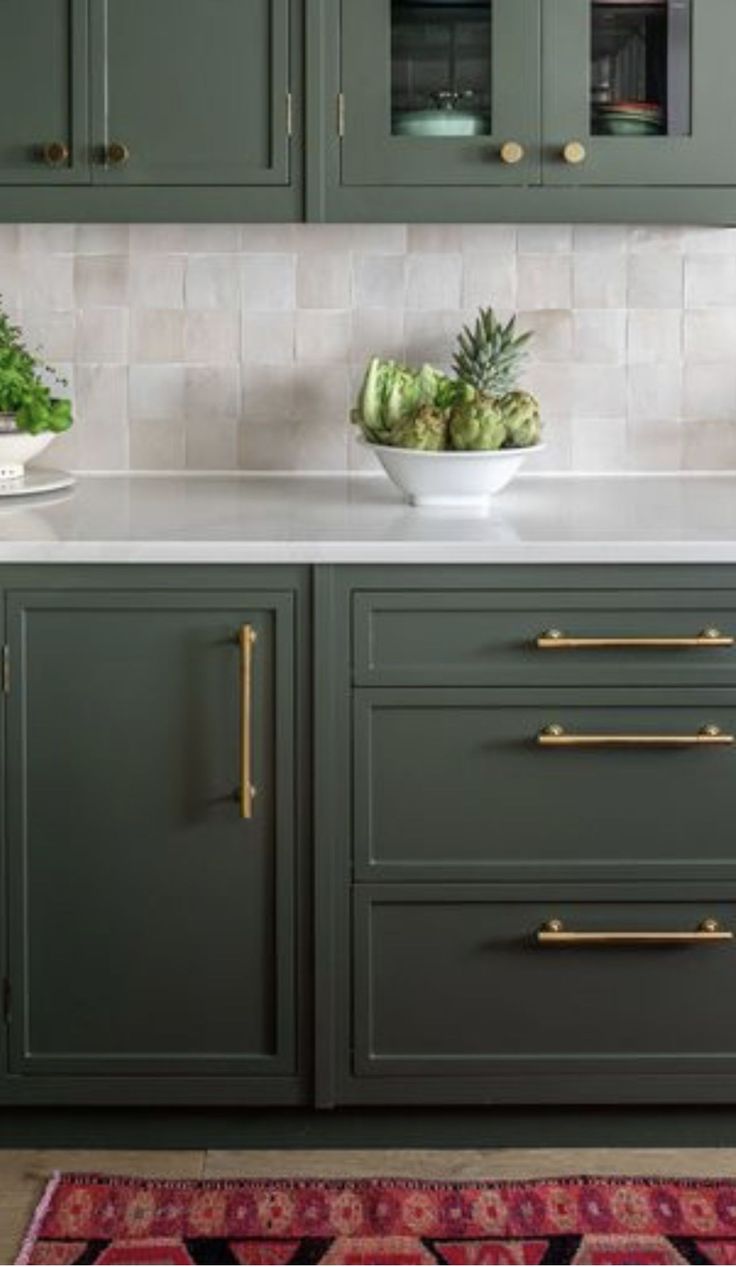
<point>226,346</point>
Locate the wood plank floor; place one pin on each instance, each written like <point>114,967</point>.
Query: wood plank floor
<point>23,1172</point>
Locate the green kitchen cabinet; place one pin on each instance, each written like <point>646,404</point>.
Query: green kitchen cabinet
<point>43,70</point>
<point>156,937</point>
<point>162,110</point>
<point>598,110</point>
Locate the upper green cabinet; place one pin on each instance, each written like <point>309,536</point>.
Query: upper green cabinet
<point>159,109</point>
<point>43,70</point>
<point>192,93</point>
<point>532,109</point>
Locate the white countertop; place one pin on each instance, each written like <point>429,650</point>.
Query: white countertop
<point>339,519</point>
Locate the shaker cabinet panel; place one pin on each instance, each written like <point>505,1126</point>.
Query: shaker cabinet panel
<point>431,92</point>
<point>152,909</point>
<point>646,92</point>
<point>43,72</point>
<point>193,92</point>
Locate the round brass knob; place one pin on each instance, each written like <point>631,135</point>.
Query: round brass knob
<point>711,732</point>
<point>512,152</point>
<point>574,153</point>
<point>117,154</point>
<point>554,731</point>
<point>553,926</point>
<point>709,926</point>
<point>55,153</point>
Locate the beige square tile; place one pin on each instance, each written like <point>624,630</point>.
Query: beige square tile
<point>102,335</point>
<point>599,239</point>
<point>710,336</point>
<point>268,393</point>
<point>157,334</point>
<point>51,334</point>
<point>101,405</point>
<point>157,281</point>
<point>599,444</point>
<point>599,391</point>
<point>268,282</point>
<point>600,336</point>
<point>656,280</point>
<point>212,443</point>
<point>211,281</point>
<point>544,239</point>
<point>9,239</point>
<point>709,392</point>
<point>211,392</point>
<point>434,281</point>
<point>322,338</point>
<point>211,337</point>
<point>375,332</point>
<point>46,239</point>
<point>10,281</point>
<point>488,239</point>
<point>323,279</point>
<point>489,280</point>
<point>655,391</point>
<point>599,281</point>
<point>47,281</point>
<point>655,446</point>
<point>655,336</point>
<point>553,333</point>
<point>710,281</point>
<point>101,239</point>
<point>267,444</point>
<point>156,391</point>
<point>101,280</point>
<point>269,338</point>
<point>157,444</point>
<point>544,281</point>
<point>380,281</point>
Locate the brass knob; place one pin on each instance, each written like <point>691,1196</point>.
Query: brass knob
<point>574,153</point>
<point>55,153</point>
<point>709,926</point>
<point>117,154</point>
<point>512,152</point>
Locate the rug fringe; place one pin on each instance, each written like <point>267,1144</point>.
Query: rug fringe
<point>34,1228</point>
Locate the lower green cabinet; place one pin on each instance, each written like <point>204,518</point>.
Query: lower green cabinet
<point>153,948</point>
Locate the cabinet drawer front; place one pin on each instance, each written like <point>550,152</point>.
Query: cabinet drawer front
<point>452,782</point>
<point>452,981</point>
<point>490,637</point>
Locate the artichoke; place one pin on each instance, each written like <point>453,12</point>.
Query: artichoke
<point>477,424</point>
<point>521,417</point>
<point>426,430</point>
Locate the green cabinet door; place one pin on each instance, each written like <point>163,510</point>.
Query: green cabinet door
<point>43,72</point>
<point>191,92</point>
<point>646,91</point>
<point>434,91</point>
<point>152,927</point>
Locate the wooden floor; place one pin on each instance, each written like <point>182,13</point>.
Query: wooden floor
<point>23,1173</point>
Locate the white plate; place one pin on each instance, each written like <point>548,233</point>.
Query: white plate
<point>36,480</point>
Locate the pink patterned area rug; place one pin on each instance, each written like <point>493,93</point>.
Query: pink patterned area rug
<point>99,1219</point>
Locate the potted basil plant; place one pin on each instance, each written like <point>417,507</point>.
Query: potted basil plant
<point>30,413</point>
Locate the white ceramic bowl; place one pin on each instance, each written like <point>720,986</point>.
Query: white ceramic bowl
<point>450,478</point>
<point>17,448</point>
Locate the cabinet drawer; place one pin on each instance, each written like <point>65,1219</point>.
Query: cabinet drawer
<point>452,783</point>
<point>451,983</point>
<point>490,637</point>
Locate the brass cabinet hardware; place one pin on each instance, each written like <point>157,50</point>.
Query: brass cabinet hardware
<point>555,736</point>
<point>246,639</point>
<point>554,933</point>
<point>574,153</point>
<point>117,154</point>
<point>341,114</point>
<point>512,152</point>
<point>289,115</point>
<point>55,153</point>
<point>556,640</point>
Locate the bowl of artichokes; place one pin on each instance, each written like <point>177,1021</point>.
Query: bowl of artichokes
<point>453,440</point>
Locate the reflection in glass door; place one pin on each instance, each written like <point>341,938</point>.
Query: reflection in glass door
<point>640,83</point>
<point>441,61</point>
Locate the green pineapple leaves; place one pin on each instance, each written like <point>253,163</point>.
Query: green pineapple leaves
<point>490,355</point>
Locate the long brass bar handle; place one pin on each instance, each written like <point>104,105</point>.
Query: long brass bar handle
<point>556,640</point>
<point>247,639</point>
<point>554,933</point>
<point>709,737</point>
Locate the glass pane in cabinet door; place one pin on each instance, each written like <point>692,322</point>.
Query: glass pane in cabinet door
<point>640,74</point>
<point>441,67</point>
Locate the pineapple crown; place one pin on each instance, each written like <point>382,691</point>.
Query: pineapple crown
<point>491,354</point>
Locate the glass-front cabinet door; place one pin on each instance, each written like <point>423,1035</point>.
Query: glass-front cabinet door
<point>639,92</point>
<point>440,91</point>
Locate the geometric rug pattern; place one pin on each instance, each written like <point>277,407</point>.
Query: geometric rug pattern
<point>110,1220</point>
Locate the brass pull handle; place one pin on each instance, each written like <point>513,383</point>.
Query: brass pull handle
<point>556,736</point>
<point>574,153</point>
<point>246,639</point>
<point>512,152</point>
<point>554,933</point>
<point>117,154</point>
<point>556,640</point>
<point>55,153</point>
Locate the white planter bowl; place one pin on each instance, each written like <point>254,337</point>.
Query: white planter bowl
<point>18,448</point>
<point>449,478</point>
